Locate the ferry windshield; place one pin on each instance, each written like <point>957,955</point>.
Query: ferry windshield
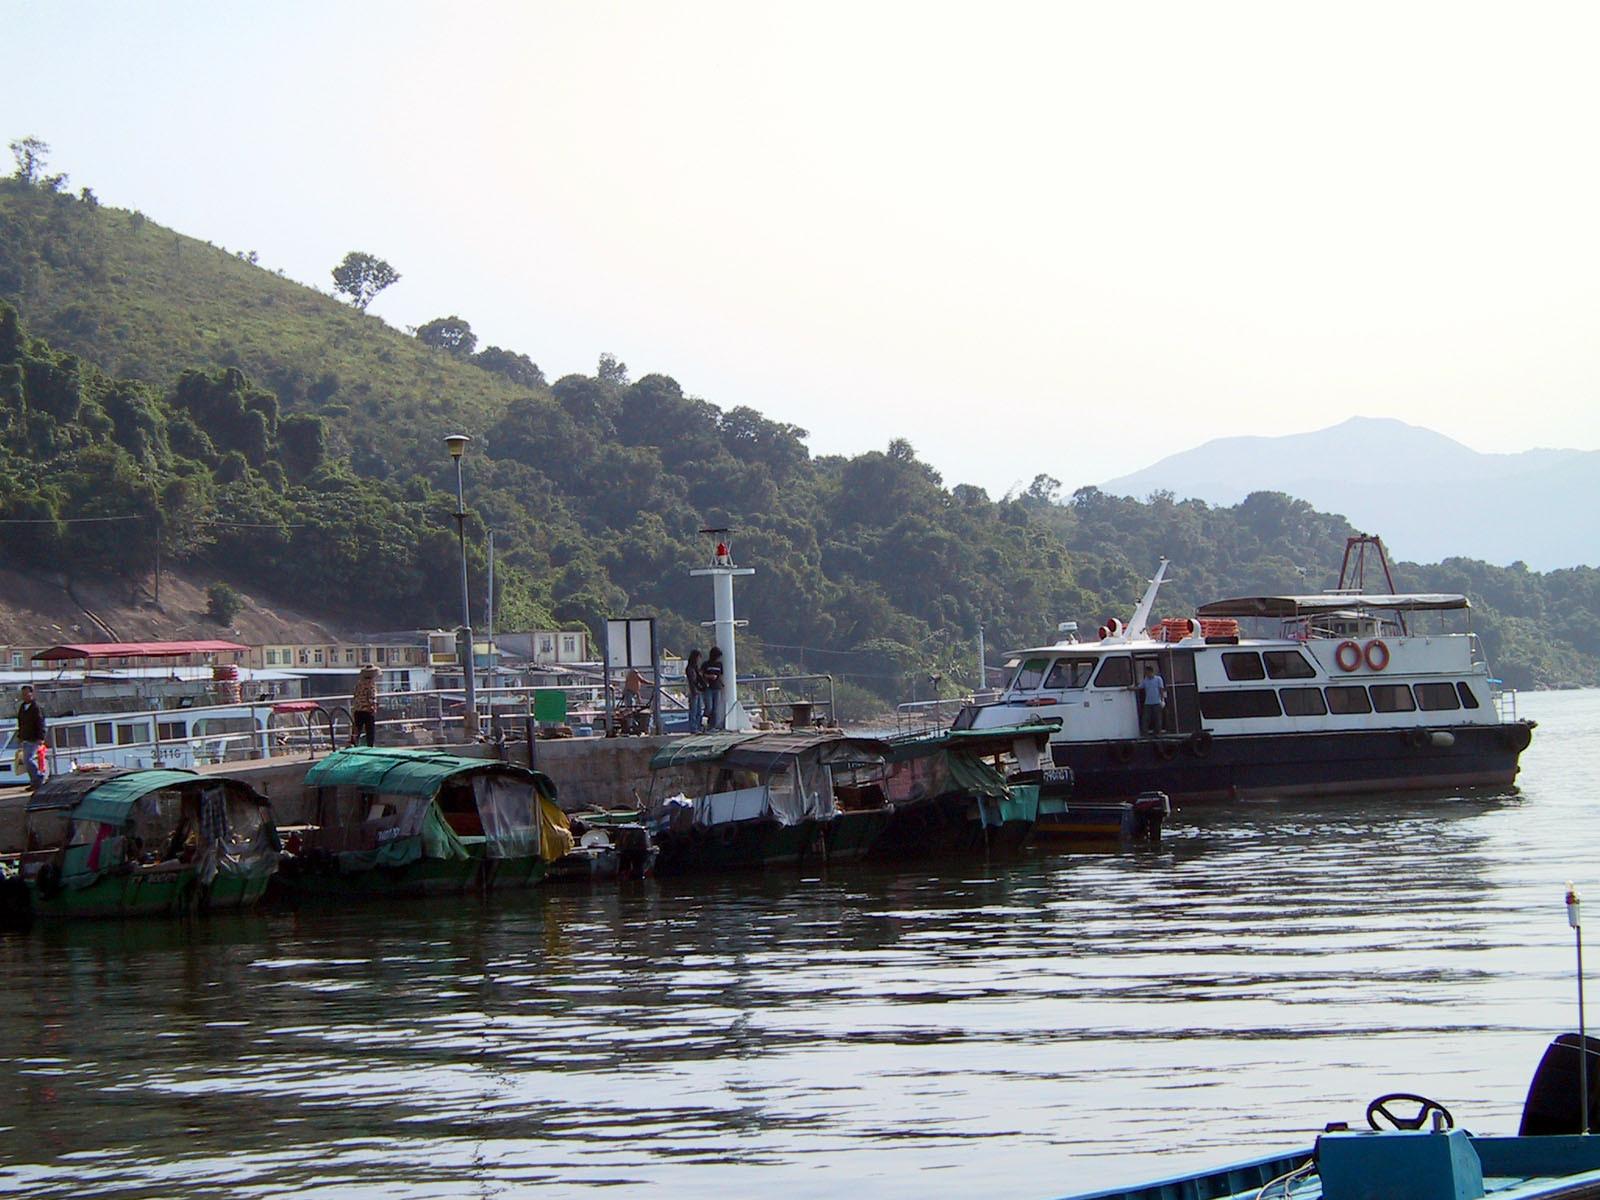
<point>1070,673</point>
<point>1030,675</point>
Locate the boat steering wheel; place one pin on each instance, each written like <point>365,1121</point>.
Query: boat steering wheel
<point>1425,1108</point>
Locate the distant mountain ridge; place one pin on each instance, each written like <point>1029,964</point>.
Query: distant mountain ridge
<point>1428,496</point>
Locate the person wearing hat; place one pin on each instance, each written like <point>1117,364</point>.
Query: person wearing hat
<point>364,707</point>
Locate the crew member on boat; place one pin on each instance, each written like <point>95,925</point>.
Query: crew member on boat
<point>1153,692</point>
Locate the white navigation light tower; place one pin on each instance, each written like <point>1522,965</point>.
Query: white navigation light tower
<point>722,572</point>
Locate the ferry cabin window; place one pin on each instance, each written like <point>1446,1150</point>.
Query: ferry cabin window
<point>1303,702</point>
<point>1242,665</point>
<point>1437,697</point>
<point>1392,697</point>
<point>1287,664</point>
<point>102,733</point>
<point>1468,700</point>
<point>1228,706</point>
<point>133,733</point>
<point>70,737</point>
<point>1115,672</point>
<point>1070,673</point>
<point>169,731</point>
<point>1030,675</point>
<point>1344,701</point>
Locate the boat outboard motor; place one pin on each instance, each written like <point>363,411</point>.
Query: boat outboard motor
<point>1553,1104</point>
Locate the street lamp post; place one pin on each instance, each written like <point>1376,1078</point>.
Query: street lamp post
<point>457,442</point>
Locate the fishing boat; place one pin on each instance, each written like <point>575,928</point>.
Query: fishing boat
<point>958,791</point>
<point>1339,692</point>
<point>119,843</point>
<point>1065,819</point>
<point>749,800</point>
<point>389,822</point>
<point>1412,1150</point>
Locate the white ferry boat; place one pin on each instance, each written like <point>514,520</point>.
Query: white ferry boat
<point>1344,692</point>
<point>167,737</point>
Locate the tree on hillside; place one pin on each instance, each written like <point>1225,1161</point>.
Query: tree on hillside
<point>518,368</point>
<point>30,154</point>
<point>450,334</point>
<point>362,276</point>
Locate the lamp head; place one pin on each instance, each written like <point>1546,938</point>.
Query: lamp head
<point>457,442</point>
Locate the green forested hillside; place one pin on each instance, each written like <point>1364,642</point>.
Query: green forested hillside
<point>158,392</point>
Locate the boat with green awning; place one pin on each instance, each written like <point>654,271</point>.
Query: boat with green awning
<point>117,843</point>
<point>388,822</point>
<point>964,790</point>
<point>750,800</point>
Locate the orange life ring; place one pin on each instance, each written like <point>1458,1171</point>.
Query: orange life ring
<point>1377,654</point>
<point>1348,656</point>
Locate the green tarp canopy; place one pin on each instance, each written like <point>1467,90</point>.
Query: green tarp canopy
<point>761,751</point>
<point>974,777</point>
<point>698,748</point>
<point>412,772</point>
<point>92,797</point>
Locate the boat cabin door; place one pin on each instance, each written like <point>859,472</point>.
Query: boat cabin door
<point>1176,668</point>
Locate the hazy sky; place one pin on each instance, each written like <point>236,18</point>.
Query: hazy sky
<point>1067,238</point>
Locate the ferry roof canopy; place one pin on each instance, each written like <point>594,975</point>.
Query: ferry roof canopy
<point>138,650</point>
<point>1325,602</point>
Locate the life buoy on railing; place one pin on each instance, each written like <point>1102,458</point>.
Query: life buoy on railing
<point>1200,743</point>
<point>1377,654</point>
<point>1348,656</point>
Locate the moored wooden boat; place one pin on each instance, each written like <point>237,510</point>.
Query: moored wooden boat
<point>959,791</point>
<point>1065,818</point>
<point>390,822</point>
<point>118,843</point>
<point>754,800</point>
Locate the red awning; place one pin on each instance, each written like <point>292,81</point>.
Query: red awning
<point>294,706</point>
<point>138,650</point>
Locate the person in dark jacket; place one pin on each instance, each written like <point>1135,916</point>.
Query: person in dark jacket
<point>695,686</point>
<point>711,680</point>
<point>30,734</point>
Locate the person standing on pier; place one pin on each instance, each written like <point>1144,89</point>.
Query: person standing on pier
<point>364,707</point>
<point>695,686</point>
<point>30,734</point>
<point>711,679</point>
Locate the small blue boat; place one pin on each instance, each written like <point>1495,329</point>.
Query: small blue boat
<point>1413,1151</point>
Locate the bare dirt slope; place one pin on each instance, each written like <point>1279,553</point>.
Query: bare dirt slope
<point>40,611</point>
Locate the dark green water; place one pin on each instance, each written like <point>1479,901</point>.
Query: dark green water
<point>1029,1027</point>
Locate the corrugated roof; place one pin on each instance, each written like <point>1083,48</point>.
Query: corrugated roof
<point>137,650</point>
<point>411,772</point>
<point>104,796</point>
<point>759,751</point>
<point>1323,602</point>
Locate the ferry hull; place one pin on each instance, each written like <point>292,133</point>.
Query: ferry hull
<point>1247,766</point>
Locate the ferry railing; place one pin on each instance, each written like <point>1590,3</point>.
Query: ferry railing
<point>917,717</point>
<point>1505,700</point>
<point>924,716</point>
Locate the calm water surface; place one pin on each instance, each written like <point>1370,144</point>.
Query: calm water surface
<point>1022,1028</point>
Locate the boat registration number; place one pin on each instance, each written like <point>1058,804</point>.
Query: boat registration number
<point>1058,774</point>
